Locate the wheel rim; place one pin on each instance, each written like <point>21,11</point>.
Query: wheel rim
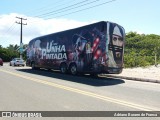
<point>73,69</point>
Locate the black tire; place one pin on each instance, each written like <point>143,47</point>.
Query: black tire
<point>33,66</point>
<point>63,68</point>
<point>73,69</point>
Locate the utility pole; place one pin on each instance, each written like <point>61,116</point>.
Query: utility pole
<point>21,43</point>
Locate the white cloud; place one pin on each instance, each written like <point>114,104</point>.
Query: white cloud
<point>10,31</point>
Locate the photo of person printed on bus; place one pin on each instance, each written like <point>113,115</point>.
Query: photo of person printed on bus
<point>83,49</point>
<point>37,49</point>
<point>89,48</point>
<point>79,43</point>
<point>88,53</point>
<point>115,55</point>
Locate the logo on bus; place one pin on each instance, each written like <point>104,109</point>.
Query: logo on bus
<point>54,51</point>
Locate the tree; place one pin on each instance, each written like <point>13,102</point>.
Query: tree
<point>13,47</point>
<point>9,52</point>
<point>140,49</point>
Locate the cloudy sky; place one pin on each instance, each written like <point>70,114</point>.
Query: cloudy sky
<point>49,16</point>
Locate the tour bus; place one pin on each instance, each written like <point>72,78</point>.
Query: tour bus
<point>93,49</point>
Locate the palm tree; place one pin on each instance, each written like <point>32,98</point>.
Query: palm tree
<point>13,47</point>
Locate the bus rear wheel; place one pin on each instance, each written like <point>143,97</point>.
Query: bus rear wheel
<point>73,69</point>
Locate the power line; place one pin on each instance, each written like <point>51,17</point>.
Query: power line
<point>10,28</point>
<point>84,9</point>
<point>97,5</point>
<point>45,8</point>
<point>52,8</point>
<point>62,8</point>
<point>73,7</point>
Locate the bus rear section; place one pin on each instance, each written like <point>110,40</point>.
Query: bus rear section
<point>115,51</point>
<point>100,49</point>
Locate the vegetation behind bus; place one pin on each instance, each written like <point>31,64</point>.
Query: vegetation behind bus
<point>141,50</point>
<point>11,52</point>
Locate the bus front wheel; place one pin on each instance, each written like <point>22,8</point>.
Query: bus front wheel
<point>63,68</point>
<point>33,66</point>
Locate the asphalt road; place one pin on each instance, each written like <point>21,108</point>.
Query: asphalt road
<point>23,89</point>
